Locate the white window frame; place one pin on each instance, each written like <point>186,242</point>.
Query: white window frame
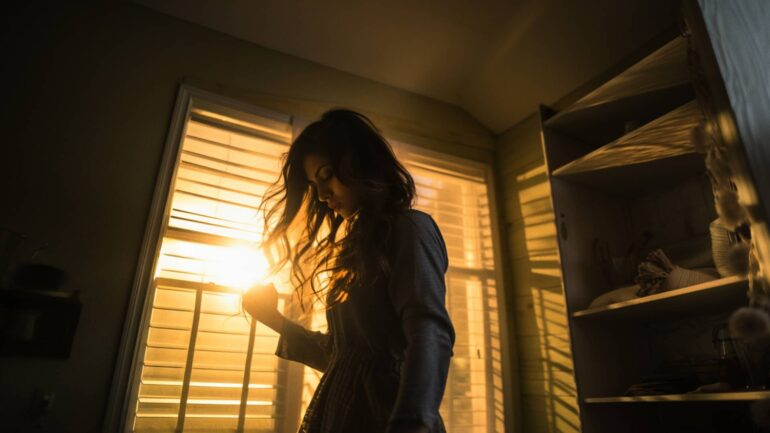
<point>125,376</point>
<point>509,361</point>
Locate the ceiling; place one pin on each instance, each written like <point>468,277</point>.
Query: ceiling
<point>495,59</point>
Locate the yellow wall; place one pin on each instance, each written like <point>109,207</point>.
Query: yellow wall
<point>533,280</point>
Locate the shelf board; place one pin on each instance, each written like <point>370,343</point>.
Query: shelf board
<point>660,81</point>
<point>694,397</point>
<point>665,137</point>
<point>23,295</point>
<point>632,180</point>
<point>719,294</point>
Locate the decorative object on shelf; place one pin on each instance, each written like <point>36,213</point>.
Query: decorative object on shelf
<point>732,214</point>
<point>620,271</point>
<point>712,387</point>
<point>681,277</point>
<point>658,274</point>
<point>729,365</point>
<point>729,248</point>
<point>614,296</point>
<point>727,202</point>
<point>729,208</point>
<point>664,383</point>
<point>653,272</point>
<point>754,357</point>
<point>751,324</point>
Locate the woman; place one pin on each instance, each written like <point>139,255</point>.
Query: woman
<point>344,202</point>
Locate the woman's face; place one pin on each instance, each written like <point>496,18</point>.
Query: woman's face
<point>331,191</point>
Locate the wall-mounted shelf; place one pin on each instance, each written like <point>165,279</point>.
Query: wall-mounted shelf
<point>38,323</point>
<point>638,179</point>
<point>692,397</point>
<point>696,299</point>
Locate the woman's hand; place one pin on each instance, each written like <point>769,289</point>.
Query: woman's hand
<point>261,302</point>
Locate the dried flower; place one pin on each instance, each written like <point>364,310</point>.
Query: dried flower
<point>718,168</point>
<point>652,273</point>
<point>750,324</point>
<point>729,209</point>
<point>738,258</point>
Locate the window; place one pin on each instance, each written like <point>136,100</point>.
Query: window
<point>202,366</point>
<point>454,192</point>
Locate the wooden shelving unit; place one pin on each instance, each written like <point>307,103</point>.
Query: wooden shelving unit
<point>621,168</point>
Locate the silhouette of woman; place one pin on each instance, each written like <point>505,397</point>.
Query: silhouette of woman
<point>344,203</point>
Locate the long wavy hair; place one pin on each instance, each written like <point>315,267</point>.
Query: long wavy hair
<point>349,254</point>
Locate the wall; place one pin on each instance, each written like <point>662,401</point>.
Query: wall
<point>85,115</point>
<point>533,278</point>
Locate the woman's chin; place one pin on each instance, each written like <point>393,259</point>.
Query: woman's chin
<point>344,213</point>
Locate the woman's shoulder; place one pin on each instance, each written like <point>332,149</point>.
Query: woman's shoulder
<point>416,231</point>
<point>410,220</point>
<point>415,224</point>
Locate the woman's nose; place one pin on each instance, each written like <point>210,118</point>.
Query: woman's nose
<point>323,193</point>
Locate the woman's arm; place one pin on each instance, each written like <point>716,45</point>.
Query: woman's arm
<point>295,343</point>
<point>311,348</point>
<point>274,321</point>
<point>417,291</point>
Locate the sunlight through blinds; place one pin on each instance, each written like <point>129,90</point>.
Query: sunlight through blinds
<point>454,193</point>
<point>205,366</point>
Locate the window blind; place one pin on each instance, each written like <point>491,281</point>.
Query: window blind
<point>454,192</point>
<point>205,366</point>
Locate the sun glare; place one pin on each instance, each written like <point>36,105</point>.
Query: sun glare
<point>238,267</point>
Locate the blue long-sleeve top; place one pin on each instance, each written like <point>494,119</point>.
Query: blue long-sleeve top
<point>386,355</point>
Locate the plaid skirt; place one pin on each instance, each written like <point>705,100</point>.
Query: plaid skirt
<point>355,395</point>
